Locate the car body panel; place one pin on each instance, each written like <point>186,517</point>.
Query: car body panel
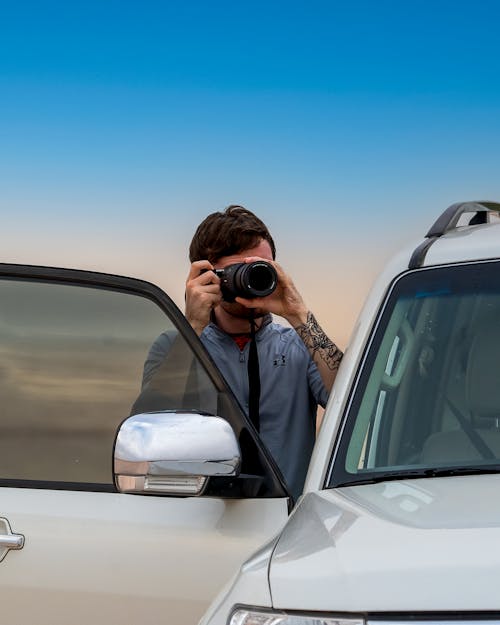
<point>358,546</point>
<point>465,244</point>
<point>250,586</point>
<point>115,558</point>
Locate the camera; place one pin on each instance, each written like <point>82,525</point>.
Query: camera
<point>248,280</point>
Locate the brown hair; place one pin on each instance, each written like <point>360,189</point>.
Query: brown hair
<point>228,232</point>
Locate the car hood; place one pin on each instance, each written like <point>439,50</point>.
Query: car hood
<point>419,545</point>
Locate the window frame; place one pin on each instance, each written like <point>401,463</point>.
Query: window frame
<point>142,288</point>
<point>335,477</point>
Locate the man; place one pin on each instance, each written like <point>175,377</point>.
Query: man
<point>296,365</point>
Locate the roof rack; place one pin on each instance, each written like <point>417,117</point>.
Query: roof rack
<point>449,221</point>
<point>451,216</point>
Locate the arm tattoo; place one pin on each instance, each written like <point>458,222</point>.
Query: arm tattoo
<point>317,342</point>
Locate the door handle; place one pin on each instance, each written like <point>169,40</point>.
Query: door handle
<point>8,540</point>
<point>14,541</point>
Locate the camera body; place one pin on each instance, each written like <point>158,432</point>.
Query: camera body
<point>256,279</point>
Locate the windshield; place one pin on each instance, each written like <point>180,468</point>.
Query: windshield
<point>427,400</point>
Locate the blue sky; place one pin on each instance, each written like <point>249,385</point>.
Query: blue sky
<point>347,127</point>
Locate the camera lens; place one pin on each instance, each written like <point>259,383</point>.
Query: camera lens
<point>256,279</point>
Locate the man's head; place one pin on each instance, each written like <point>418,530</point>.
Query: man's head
<point>227,233</point>
<point>228,237</point>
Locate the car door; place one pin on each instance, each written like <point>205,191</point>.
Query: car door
<point>72,548</point>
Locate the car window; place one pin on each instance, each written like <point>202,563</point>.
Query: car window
<point>71,367</point>
<point>427,400</point>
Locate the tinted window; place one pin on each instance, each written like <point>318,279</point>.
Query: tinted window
<point>71,367</point>
<point>428,396</point>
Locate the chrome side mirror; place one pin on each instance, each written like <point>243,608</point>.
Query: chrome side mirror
<point>173,453</point>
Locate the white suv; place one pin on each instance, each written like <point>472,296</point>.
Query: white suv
<point>400,520</point>
<point>127,503</point>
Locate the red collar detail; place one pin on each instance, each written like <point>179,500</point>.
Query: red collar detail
<point>241,340</point>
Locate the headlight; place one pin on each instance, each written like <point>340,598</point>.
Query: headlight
<point>250,616</point>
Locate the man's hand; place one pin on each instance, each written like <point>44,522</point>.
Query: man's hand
<point>287,302</point>
<point>202,294</point>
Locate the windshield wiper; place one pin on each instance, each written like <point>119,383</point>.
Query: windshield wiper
<point>421,473</point>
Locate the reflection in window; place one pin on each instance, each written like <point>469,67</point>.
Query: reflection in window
<point>71,366</point>
<point>428,395</point>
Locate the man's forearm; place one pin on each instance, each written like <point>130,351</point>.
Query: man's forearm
<point>323,350</point>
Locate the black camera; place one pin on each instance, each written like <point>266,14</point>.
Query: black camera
<point>248,280</point>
